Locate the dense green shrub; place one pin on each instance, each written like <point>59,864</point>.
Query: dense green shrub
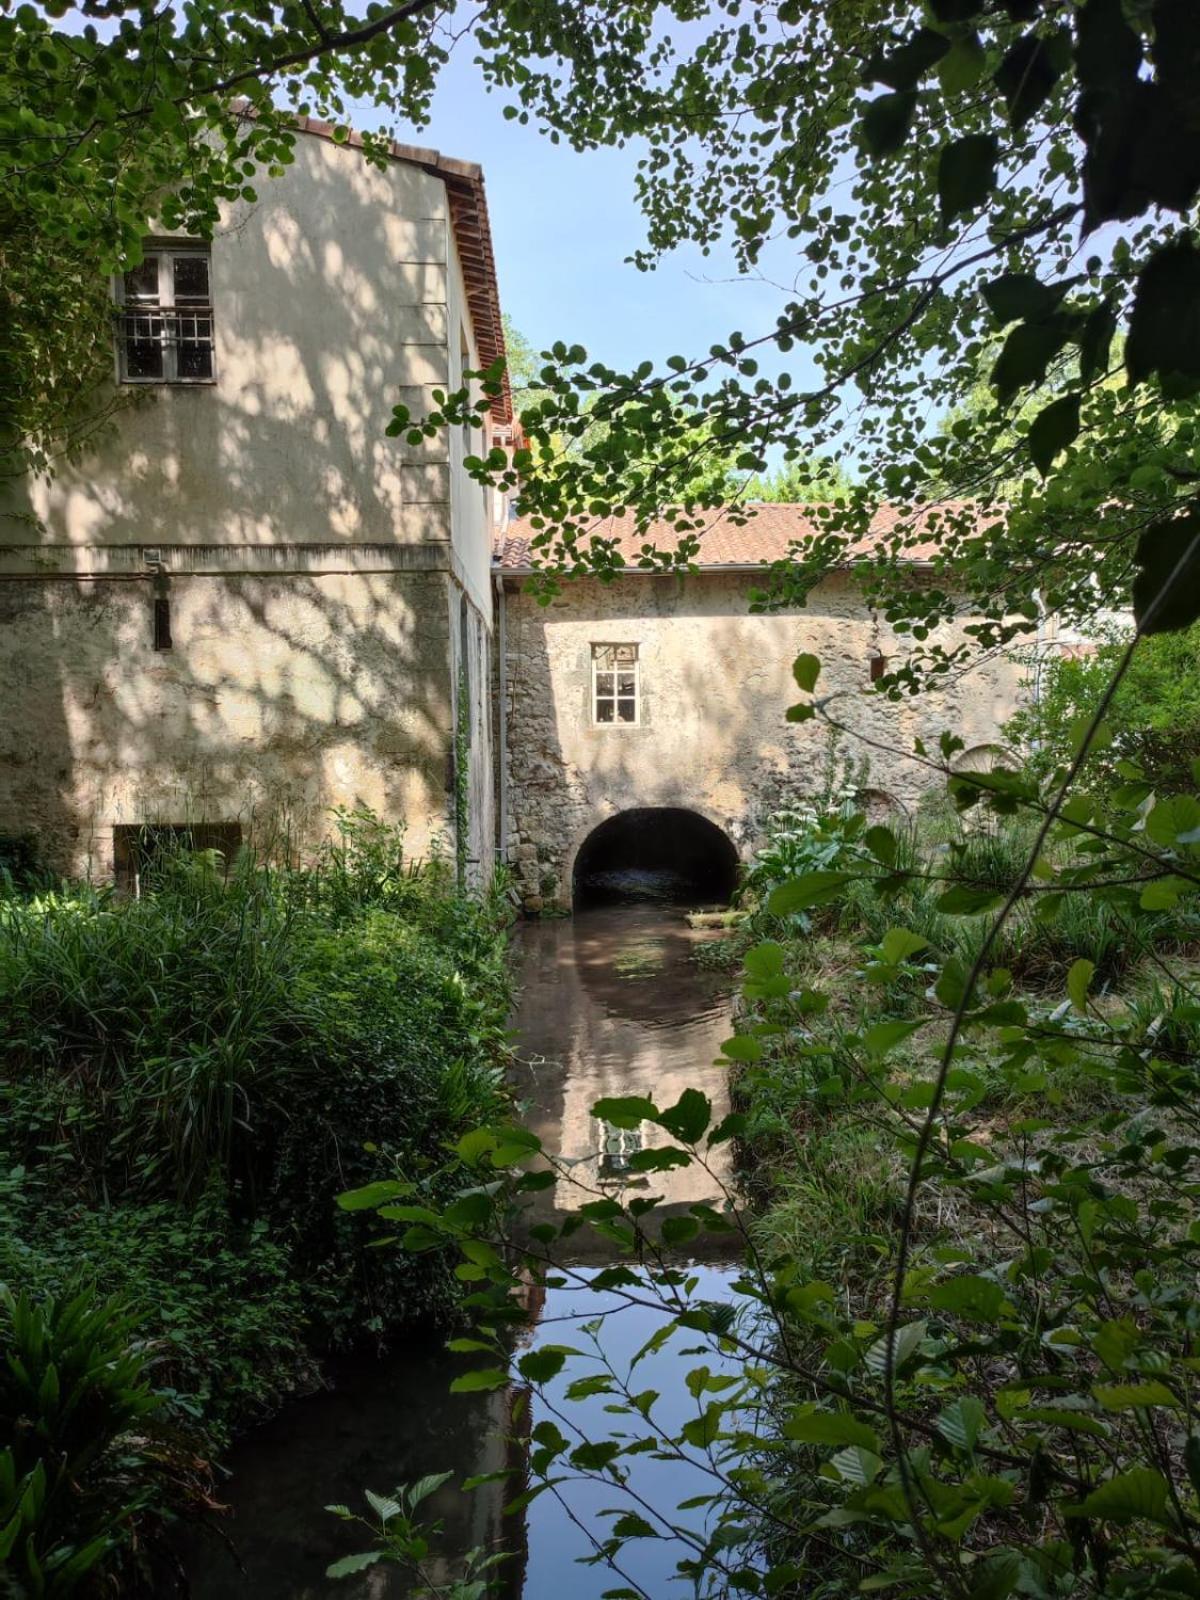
<point>221,1307</point>
<point>190,1078</point>
<point>1153,721</point>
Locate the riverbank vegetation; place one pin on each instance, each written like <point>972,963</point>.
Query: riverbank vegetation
<point>188,1079</point>
<point>959,1355</point>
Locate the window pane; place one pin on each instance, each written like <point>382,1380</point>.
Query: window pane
<point>195,346</point>
<point>604,711</point>
<point>626,683</point>
<point>142,282</point>
<point>626,710</point>
<point>604,683</point>
<point>191,280</point>
<point>143,336</point>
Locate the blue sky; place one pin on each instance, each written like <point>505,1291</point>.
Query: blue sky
<point>563,223</point>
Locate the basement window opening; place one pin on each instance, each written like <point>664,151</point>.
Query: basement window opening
<point>162,622</point>
<point>616,685</point>
<point>140,847</point>
<point>165,317</point>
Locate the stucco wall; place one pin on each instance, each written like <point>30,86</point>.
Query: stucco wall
<point>315,565</point>
<point>282,698</point>
<point>331,302</point>
<point>712,737</point>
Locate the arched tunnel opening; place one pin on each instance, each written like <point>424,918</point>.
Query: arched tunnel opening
<point>660,853</point>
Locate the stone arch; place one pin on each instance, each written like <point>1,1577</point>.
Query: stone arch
<point>881,807</point>
<point>984,758</point>
<point>671,853</point>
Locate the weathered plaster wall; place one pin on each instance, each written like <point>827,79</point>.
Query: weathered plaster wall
<point>331,302</point>
<point>716,682</point>
<point>282,697</point>
<point>315,565</point>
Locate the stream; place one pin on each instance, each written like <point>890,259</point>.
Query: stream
<point>611,1003</point>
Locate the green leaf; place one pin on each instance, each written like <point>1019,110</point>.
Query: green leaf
<point>765,960</point>
<point>742,1047</point>
<point>539,1366</point>
<point>1017,295</point>
<point>1139,1495</point>
<point>963,65</point>
<point>689,1117</point>
<point>1160,550</point>
<point>881,842</point>
<point>806,670</point>
<point>372,1195</point>
<point>1078,980</point>
<point>857,1465</point>
<point>811,889</point>
<point>483,1379</point>
<point>886,121</point>
<point>969,1295</point>
<point>961,1422</point>
<point>626,1111</point>
<point>1172,820</point>
<point>348,1565</point>
<point>966,173</point>
<point>1133,1396</point>
<point>1095,342</point>
<point>1164,324</point>
<point>885,1036</point>
<point>961,900</point>
<point>1053,430</point>
<point>1029,71</point>
<point>900,943</point>
<point>905,66</point>
<point>1027,354</point>
<point>907,1341</point>
<point>996,1576</point>
<point>835,1428</point>
<point>679,1230</point>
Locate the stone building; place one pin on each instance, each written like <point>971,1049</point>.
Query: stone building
<point>246,604</point>
<point>647,714</point>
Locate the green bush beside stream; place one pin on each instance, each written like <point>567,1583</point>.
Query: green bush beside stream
<point>189,1079</point>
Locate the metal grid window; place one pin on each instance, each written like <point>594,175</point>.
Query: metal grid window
<point>165,317</point>
<point>616,685</point>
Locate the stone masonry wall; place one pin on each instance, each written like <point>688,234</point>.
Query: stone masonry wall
<point>715,683</point>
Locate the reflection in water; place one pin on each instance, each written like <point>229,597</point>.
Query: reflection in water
<point>611,1004</point>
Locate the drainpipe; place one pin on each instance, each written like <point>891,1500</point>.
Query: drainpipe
<point>501,717</point>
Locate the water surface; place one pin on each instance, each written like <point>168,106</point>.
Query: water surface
<point>611,1004</point>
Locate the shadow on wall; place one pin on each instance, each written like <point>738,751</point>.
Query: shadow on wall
<point>293,690</point>
<point>661,853</point>
<point>330,304</point>
<point>280,698</point>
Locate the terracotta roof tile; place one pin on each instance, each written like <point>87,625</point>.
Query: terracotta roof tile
<point>772,533</point>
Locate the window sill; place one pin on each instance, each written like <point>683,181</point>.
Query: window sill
<point>167,383</point>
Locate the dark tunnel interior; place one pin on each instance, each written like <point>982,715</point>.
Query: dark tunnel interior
<point>655,853</point>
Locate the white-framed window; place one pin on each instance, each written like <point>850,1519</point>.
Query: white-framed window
<point>616,685</point>
<point>165,317</point>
